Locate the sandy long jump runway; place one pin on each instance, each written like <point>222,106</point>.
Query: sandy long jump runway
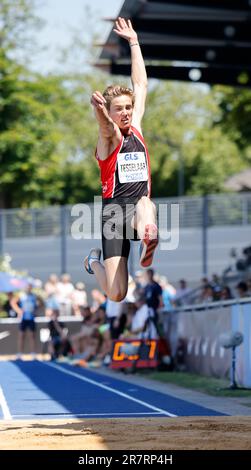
<point>52,406</point>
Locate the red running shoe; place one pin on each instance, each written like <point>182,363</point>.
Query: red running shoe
<point>148,245</point>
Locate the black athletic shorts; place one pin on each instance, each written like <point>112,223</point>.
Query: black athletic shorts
<point>117,214</point>
<point>27,325</point>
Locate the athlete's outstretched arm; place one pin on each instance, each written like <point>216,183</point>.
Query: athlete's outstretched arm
<point>106,124</point>
<point>138,73</point>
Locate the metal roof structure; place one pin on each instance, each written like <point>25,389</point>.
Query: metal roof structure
<point>195,40</point>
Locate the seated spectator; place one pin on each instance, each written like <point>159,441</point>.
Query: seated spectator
<point>79,340</point>
<point>59,343</point>
<point>90,352</point>
<point>113,312</point>
<point>143,321</point>
<point>126,332</point>
<point>105,344</point>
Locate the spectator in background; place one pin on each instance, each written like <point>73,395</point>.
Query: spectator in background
<point>131,309</point>
<point>113,311</point>
<point>104,352</point>
<point>152,292</point>
<point>50,286</point>
<point>169,317</point>
<point>168,294</point>
<point>249,286</point>
<point>25,306</point>
<point>130,296</point>
<point>51,291</point>
<point>59,343</point>
<point>182,294</point>
<point>216,286</point>
<point>8,306</point>
<point>242,289</point>
<point>226,293</point>
<point>204,282</point>
<point>207,295</point>
<point>65,289</point>
<point>215,283</point>
<point>139,279</point>
<point>90,353</point>
<point>97,299</point>
<point>79,340</point>
<point>79,298</point>
<point>143,323</point>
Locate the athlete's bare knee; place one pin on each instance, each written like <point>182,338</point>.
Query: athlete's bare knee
<point>117,294</point>
<point>116,298</point>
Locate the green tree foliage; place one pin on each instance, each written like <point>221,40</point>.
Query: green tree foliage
<point>48,132</point>
<point>180,129</point>
<point>235,118</point>
<point>47,139</point>
<point>26,138</point>
<point>213,158</point>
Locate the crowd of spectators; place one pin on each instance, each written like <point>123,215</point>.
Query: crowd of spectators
<point>146,312</point>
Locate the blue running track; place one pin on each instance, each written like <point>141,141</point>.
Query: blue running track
<point>44,390</point>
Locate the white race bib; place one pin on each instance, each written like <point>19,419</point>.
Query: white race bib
<point>132,167</point>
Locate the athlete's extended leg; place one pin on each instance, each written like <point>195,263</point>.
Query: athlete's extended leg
<point>145,222</point>
<point>112,276</point>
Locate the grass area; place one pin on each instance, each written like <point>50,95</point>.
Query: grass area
<point>208,385</point>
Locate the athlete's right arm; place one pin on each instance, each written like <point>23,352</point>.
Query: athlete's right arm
<point>106,124</point>
<point>109,133</point>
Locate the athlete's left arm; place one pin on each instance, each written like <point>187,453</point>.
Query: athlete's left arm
<point>138,71</point>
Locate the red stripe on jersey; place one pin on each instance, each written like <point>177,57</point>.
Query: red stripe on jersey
<point>107,171</point>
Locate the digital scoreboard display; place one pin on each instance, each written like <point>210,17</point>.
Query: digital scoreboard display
<point>137,352</point>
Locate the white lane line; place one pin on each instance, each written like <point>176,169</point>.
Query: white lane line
<point>77,415</point>
<point>4,406</point>
<point>4,334</point>
<point>110,389</point>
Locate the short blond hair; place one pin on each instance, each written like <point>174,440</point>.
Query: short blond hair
<point>113,91</point>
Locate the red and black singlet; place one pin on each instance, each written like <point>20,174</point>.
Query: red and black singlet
<point>126,172</point>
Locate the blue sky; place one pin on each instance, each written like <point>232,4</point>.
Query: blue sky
<point>63,15</point>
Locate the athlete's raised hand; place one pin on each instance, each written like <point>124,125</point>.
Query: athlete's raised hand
<point>125,30</point>
<point>97,100</point>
